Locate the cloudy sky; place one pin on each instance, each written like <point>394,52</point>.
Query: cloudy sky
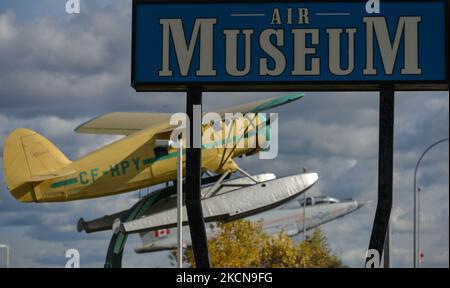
<point>59,70</point>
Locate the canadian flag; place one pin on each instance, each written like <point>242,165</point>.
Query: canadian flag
<point>162,232</point>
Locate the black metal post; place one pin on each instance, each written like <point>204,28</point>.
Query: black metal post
<point>193,182</point>
<point>387,248</point>
<point>385,169</point>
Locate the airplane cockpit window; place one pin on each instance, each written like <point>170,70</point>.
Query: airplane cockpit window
<point>333,200</point>
<point>308,202</point>
<point>217,126</point>
<point>298,203</point>
<point>160,151</point>
<point>320,200</point>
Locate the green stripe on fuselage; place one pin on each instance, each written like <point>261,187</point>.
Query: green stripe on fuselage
<point>152,160</point>
<point>69,181</point>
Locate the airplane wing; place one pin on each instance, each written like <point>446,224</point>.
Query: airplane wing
<point>126,123</point>
<point>122,123</point>
<point>261,105</point>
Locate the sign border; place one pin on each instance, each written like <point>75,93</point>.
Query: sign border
<point>239,86</point>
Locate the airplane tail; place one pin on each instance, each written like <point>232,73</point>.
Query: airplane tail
<point>28,158</point>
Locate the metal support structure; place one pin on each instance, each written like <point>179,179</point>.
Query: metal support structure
<point>385,170</point>
<point>217,185</point>
<point>387,249</point>
<point>7,254</point>
<point>416,255</point>
<point>248,175</point>
<point>304,216</point>
<point>180,203</point>
<point>193,182</point>
<point>119,238</point>
<point>179,146</point>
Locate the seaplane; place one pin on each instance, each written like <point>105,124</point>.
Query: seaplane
<point>292,218</point>
<point>277,202</point>
<point>36,170</point>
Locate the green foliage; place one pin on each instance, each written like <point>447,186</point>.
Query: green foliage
<point>315,253</point>
<point>243,243</point>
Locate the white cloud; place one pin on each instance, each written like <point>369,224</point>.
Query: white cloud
<point>7,29</point>
<point>331,138</point>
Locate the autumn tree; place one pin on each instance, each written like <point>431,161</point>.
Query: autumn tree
<point>243,243</point>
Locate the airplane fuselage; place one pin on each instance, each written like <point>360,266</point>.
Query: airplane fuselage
<point>128,164</point>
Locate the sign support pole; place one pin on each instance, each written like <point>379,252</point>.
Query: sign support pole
<point>385,170</point>
<point>387,249</point>
<point>193,181</point>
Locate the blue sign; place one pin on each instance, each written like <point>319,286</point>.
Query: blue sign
<point>288,45</point>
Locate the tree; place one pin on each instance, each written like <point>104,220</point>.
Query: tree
<point>315,252</point>
<point>243,243</point>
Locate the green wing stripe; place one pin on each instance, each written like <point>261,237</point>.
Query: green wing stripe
<point>277,102</point>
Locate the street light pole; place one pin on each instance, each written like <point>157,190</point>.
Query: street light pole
<point>304,216</point>
<point>415,198</point>
<point>7,254</point>
<point>304,210</point>
<point>418,223</point>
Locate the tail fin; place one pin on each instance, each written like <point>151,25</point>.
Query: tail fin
<point>28,157</point>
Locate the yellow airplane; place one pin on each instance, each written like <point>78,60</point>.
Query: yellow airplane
<point>37,171</point>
